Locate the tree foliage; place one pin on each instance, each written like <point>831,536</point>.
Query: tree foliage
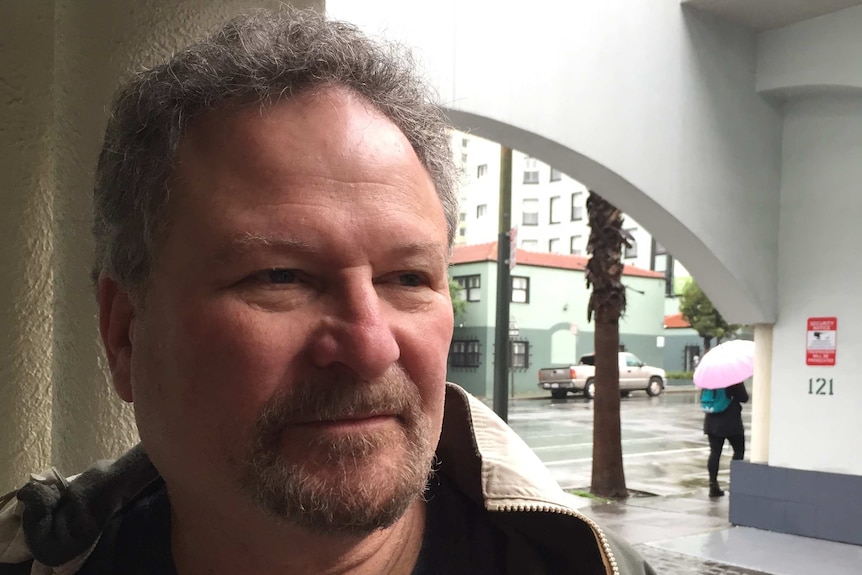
<point>698,311</point>
<point>607,303</point>
<point>459,304</point>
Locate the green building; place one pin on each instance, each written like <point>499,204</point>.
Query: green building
<point>549,313</point>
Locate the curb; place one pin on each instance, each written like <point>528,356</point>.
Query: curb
<point>679,388</point>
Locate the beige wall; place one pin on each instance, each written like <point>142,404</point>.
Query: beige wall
<point>26,204</point>
<point>59,64</point>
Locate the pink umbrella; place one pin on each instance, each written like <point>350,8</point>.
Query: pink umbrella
<point>725,364</point>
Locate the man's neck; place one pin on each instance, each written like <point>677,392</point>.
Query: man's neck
<point>235,545</point>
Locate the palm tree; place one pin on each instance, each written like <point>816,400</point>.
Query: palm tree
<point>607,302</point>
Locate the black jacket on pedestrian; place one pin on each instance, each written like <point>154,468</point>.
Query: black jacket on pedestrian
<point>728,422</point>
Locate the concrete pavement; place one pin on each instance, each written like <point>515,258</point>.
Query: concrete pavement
<point>678,529</point>
<point>690,535</point>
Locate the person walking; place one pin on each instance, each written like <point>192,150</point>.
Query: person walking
<point>725,425</point>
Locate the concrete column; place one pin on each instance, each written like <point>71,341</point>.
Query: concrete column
<point>26,198</point>
<point>762,393</point>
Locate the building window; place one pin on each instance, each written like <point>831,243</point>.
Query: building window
<point>481,170</point>
<point>530,212</point>
<point>481,210</point>
<point>531,171</point>
<point>658,258</point>
<point>555,210</point>
<point>463,217</point>
<point>464,142</point>
<point>631,250</point>
<point>556,175</point>
<point>464,353</point>
<point>462,232</point>
<point>519,354</point>
<point>691,357</point>
<point>463,158</point>
<point>554,245</point>
<point>520,290</point>
<point>577,206</point>
<point>471,287</point>
<point>575,246</point>
<point>531,245</point>
<point>661,261</point>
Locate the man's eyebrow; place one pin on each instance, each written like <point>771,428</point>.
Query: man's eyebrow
<point>247,242</point>
<point>432,251</point>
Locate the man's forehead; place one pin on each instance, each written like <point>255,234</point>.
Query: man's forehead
<point>316,148</point>
<point>340,109</point>
<point>331,133</point>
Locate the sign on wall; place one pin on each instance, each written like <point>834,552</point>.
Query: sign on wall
<point>821,341</point>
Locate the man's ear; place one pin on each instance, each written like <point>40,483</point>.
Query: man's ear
<point>116,317</point>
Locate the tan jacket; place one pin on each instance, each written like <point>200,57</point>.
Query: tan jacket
<point>484,458</point>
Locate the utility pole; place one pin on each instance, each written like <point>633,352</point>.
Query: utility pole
<point>501,332</point>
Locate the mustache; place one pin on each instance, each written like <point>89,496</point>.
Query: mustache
<point>335,394</point>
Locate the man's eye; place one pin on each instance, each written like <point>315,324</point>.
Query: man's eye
<point>282,276</point>
<point>410,280</point>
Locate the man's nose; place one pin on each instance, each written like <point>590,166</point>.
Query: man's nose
<point>357,333</point>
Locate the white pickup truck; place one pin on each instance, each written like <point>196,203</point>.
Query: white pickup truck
<point>634,376</point>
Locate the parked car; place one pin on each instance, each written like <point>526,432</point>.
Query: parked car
<point>580,378</point>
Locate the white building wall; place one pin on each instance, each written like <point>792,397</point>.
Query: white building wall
<point>814,68</point>
<point>820,212</point>
<point>815,54</point>
<point>479,160</point>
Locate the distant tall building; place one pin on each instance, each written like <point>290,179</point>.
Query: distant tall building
<point>548,208</point>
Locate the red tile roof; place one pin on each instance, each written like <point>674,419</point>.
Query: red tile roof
<point>474,253</point>
<point>488,252</point>
<point>675,321</point>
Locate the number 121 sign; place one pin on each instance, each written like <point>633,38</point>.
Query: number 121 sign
<point>821,342</point>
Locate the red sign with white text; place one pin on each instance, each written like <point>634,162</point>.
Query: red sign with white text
<point>821,341</point>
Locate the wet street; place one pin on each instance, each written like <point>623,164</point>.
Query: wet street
<point>682,532</point>
<point>664,449</point>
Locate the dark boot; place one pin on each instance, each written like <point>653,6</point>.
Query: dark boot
<point>715,490</point>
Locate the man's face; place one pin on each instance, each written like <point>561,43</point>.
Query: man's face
<point>292,347</point>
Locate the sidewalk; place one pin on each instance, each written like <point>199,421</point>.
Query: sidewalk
<point>690,535</point>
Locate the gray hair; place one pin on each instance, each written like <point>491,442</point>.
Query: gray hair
<point>258,58</point>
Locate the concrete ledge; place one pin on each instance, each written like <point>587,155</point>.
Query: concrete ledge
<point>809,503</point>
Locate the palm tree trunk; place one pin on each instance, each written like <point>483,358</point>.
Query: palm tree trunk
<point>607,303</point>
<point>608,476</point>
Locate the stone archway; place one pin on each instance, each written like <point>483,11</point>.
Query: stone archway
<point>718,280</point>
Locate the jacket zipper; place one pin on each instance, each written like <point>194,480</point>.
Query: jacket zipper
<point>605,546</point>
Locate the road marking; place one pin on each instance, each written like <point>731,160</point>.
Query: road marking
<point>625,442</point>
<point>649,453</point>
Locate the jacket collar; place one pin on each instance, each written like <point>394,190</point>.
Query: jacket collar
<point>492,465</point>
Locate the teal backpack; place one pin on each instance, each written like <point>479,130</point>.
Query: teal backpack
<point>714,400</point>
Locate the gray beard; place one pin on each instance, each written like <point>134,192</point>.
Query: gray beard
<point>337,489</point>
